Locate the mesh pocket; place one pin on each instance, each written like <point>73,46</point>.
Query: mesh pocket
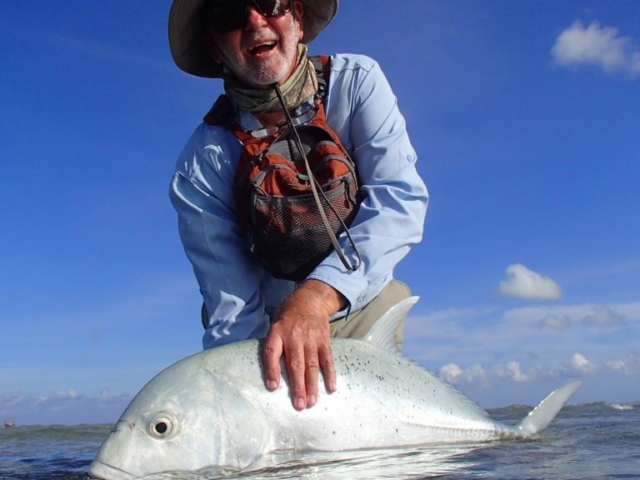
<point>287,233</point>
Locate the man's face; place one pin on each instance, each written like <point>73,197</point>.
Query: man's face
<point>264,51</point>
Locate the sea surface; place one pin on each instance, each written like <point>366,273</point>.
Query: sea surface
<point>591,441</point>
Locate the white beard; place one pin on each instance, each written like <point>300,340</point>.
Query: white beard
<point>265,72</point>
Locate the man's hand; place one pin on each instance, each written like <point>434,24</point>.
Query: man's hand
<point>300,332</point>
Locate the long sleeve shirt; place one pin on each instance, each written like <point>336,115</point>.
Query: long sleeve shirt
<point>240,296</point>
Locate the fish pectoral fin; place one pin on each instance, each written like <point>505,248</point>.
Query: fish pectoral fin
<point>541,416</point>
<point>383,333</point>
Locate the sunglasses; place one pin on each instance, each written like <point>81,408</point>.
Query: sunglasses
<point>228,15</point>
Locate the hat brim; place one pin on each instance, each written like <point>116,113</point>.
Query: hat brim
<point>190,54</point>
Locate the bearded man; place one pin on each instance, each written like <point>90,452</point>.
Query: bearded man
<point>259,49</point>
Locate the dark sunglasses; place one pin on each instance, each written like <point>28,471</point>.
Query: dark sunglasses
<point>228,15</point>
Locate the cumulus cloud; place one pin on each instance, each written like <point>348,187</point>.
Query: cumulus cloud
<point>598,46</point>
<point>512,371</point>
<point>578,365</point>
<point>581,364</point>
<point>472,375</point>
<point>524,283</point>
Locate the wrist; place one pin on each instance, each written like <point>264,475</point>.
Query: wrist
<point>331,299</point>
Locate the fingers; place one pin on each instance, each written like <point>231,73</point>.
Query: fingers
<point>304,361</point>
<point>311,374</point>
<point>303,368</point>
<point>271,353</point>
<point>301,333</point>
<point>295,361</point>
<point>302,328</point>
<point>328,367</point>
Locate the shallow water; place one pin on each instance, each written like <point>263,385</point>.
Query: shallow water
<point>592,441</point>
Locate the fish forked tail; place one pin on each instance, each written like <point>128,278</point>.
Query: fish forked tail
<point>541,416</point>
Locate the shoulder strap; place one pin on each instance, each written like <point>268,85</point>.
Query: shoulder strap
<point>322,64</point>
<point>222,114</point>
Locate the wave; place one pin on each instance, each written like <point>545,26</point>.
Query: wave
<point>82,432</point>
<point>608,406</point>
<point>592,407</point>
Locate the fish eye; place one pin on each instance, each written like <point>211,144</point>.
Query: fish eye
<point>162,425</point>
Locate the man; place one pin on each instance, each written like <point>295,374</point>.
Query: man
<point>252,45</point>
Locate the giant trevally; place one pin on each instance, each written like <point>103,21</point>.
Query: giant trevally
<point>211,411</point>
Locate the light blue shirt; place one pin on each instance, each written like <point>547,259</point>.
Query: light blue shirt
<point>240,296</point>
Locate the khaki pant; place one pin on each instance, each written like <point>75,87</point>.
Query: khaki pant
<point>357,324</point>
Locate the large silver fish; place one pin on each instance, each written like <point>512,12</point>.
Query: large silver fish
<point>211,411</point>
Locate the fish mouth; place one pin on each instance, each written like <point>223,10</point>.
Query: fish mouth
<point>103,471</point>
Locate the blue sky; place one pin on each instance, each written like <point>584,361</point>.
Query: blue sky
<point>525,119</point>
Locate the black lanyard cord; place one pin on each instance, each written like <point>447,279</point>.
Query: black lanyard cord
<point>315,188</point>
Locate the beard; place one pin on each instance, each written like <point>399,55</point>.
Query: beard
<point>255,71</point>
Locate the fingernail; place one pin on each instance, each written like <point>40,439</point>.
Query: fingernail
<point>272,385</point>
<point>312,400</point>
<point>299,403</point>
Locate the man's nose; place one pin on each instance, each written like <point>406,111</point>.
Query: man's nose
<point>255,18</point>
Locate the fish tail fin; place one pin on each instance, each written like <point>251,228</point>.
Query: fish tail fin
<point>541,416</point>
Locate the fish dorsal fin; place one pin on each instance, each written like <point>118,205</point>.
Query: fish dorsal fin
<point>383,332</point>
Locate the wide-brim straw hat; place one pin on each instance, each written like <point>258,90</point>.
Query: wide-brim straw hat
<point>190,54</point>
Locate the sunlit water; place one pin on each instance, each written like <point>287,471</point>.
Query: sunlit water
<point>594,441</point>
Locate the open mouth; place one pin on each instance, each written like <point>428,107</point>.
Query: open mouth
<point>262,48</point>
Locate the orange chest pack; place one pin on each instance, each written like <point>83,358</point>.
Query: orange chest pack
<point>296,188</point>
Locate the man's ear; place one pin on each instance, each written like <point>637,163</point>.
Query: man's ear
<point>298,14</point>
<point>206,37</point>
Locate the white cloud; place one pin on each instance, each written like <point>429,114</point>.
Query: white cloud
<point>604,316</point>
<point>581,364</point>
<point>559,322</point>
<point>563,316</point>
<point>629,366</point>
<point>630,311</point>
<point>68,407</point>
<point>524,283</point>
<point>577,366</point>
<point>599,46</point>
<point>512,371</point>
<point>451,372</point>
<point>472,375</point>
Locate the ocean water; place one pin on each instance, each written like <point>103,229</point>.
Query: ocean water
<point>591,441</point>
